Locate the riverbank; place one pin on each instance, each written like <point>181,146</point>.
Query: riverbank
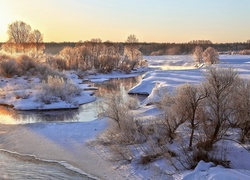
<point>27,93</point>
<point>63,142</point>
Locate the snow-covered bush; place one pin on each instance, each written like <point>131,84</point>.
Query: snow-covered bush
<point>55,89</point>
<point>23,94</point>
<point>211,56</point>
<point>59,87</point>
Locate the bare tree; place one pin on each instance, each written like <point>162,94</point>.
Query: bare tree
<point>198,55</point>
<point>242,106</point>
<point>218,109</point>
<point>211,56</point>
<point>187,103</point>
<point>19,32</point>
<point>23,38</point>
<point>37,38</point>
<point>132,39</point>
<point>132,53</point>
<point>171,120</point>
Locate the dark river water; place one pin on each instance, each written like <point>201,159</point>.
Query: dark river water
<point>19,167</point>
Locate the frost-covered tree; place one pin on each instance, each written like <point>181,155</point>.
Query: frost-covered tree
<point>198,55</point>
<point>187,103</point>
<point>23,39</point>
<point>70,56</point>
<point>37,37</point>
<point>218,106</point>
<point>242,106</point>
<point>211,56</point>
<point>19,32</point>
<point>132,53</point>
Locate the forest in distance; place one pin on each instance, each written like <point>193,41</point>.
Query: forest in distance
<point>161,48</point>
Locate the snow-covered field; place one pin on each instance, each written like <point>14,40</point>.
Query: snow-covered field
<point>67,142</point>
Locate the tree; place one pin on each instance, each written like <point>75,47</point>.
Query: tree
<point>96,40</point>
<point>132,39</point>
<point>37,38</point>
<point>23,38</point>
<point>70,56</point>
<point>198,55</point>
<point>187,104</point>
<point>19,32</point>
<point>242,106</point>
<point>132,53</point>
<point>211,56</point>
<point>218,106</point>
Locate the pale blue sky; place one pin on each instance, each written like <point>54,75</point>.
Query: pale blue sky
<point>114,20</point>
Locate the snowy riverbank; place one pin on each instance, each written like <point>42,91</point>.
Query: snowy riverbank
<point>27,93</point>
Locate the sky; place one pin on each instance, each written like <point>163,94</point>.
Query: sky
<point>161,21</point>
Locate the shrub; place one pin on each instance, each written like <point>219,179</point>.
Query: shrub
<point>26,64</point>
<point>9,68</point>
<point>64,89</point>
<point>44,71</point>
<point>56,63</point>
<point>4,57</point>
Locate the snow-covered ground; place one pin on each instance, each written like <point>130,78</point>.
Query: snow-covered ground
<point>67,142</point>
<point>22,93</point>
<point>155,81</point>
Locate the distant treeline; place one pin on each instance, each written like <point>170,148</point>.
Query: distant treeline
<point>160,48</point>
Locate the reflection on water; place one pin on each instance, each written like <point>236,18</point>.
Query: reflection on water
<point>86,112</point>
<point>24,167</point>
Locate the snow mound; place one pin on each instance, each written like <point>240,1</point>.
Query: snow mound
<point>208,171</point>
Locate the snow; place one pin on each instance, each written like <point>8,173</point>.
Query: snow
<point>155,81</point>
<point>71,142</point>
<point>115,74</point>
<point>99,80</point>
<point>179,71</point>
<point>208,171</point>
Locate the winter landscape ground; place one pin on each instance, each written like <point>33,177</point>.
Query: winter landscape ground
<point>74,144</point>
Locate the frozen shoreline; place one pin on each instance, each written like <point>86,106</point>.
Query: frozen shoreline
<point>33,160</point>
<point>62,142</point>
